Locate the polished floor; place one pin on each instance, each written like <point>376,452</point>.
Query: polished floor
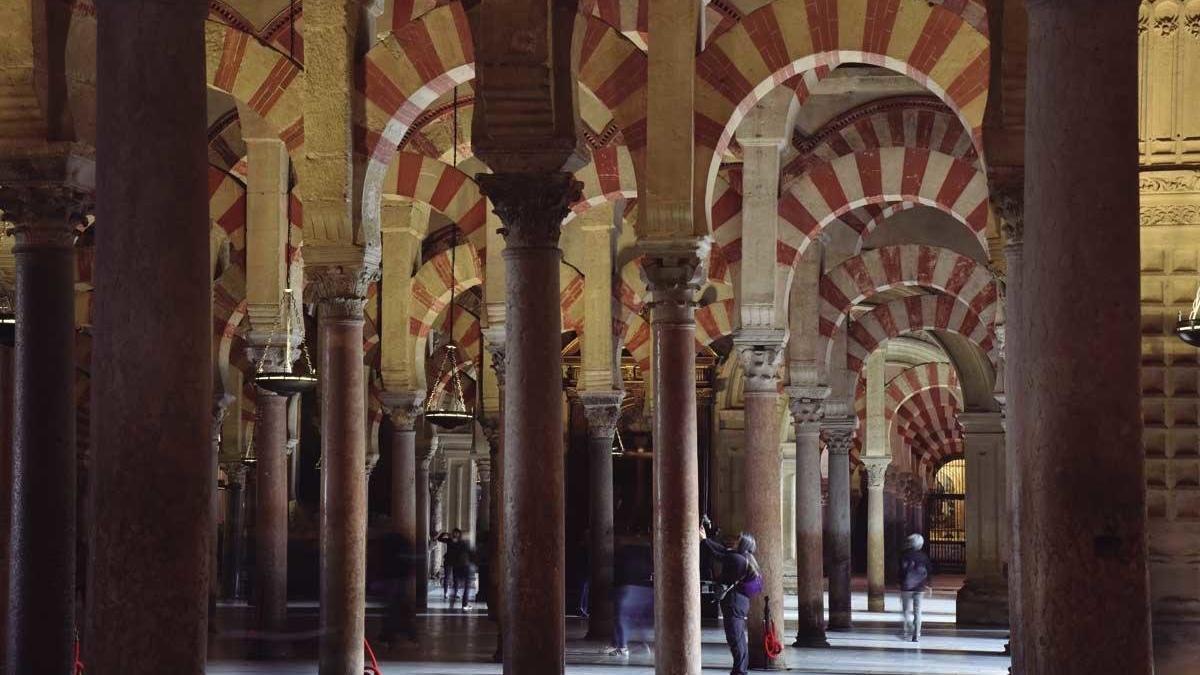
<point>458,643</point>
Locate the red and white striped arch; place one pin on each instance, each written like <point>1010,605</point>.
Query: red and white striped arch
<point>929,43</point>
<point>908,315</point>
<point>265,80</point>
<point>608,177</point>
<point>445,189</point>
<point>883,177</point>
<point>908,383</point>
<point>867,274</point>
<point>431,292</point>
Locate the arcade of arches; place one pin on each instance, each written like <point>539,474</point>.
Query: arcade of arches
<point>828,271</point>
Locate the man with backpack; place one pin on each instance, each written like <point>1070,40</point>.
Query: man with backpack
<point>740,579</point>
<point>915,574</point>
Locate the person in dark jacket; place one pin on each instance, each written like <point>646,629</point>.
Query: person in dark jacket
<point>460,562</point>
<point>737,567</point>
<point>915,575</point>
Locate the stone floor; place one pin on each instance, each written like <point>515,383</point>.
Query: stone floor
<point>458,643</point>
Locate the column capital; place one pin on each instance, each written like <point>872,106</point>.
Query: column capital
<point>437,481</point>
<point>237,471</point>
<point>603,411</point>
<point>404,407</point>
<point>532,206</point>
<point>675,269</point>
<point>494,340</point>
<point>221,403</point>
<point>807,407</point>
<point>340,290</point>
<point>1008,199</point>
<point>491,431</point>
<point>839,437</point>
<point>761,352</point>
<point>978,423</point>
<point>877,468</point>
<point>483,465</point>
<point>43,215</point>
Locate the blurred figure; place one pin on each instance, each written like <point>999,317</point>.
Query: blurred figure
<point>633,600</point>
<point>459,566</point>
<point>915,575</point>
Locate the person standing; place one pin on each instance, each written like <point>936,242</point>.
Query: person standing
<point>459,564</point>
<point>739,576</point>
<point>633,599</point>
<point>915,575</point>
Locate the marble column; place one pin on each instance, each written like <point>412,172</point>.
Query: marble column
<point>483,509</point>
<point>421,550</point>
<point>271,522</point>
<point>603,411</point>
<point>494,428</point>
<point>221,403</point>
<point>983,598</point>
<point>235,528</point>
<point>41,606</point>
<point>839,437</point>
<point>761,354</point>
<point>6,427</point>
<point>674,270</point>
<point>532,207</point>
<point>437,520</point>
<point>152,362</point>
<point>805,405</point>
<point>1085,607</point>
<point>340,295</point>
<point>404,408</point>
<point>876,475</point>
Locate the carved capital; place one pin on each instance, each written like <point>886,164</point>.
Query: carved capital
<point>221,403</point>
<point>404,407</point>
<point>1009,202</point>
<point>532,206</point>
<point>483,465</point>
<point>340,290</point>
<point>237,472</point>
<point>877,468</point>
<point>437,481</point>
<point>839,439</point>
<point>496,349</point>
<point>761,354</point>
<point>491,431</point>
<point>43,216</point>
<point>807,407</point>
<point>603,411</point>
<point>372,460</point>
<point>675,270</point>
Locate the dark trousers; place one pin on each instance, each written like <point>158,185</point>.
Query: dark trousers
<point>735,607</point>
<point>460,578</point>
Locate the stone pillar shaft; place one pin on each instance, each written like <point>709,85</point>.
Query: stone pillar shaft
<point>838,441</point>
<point>1082,489</point>
<point>404,409</point>
<point>271,520</point>
<point>603,410</point>
<point>41,607</point>
<point>810,577</point>
<point>6,476</point>
<point>421,550</point>
<point>983,599</point>
<point>876,470</point>
<point>532,207</point>
<point>343,486</point>
<point>235,509</point>
<point>152,344</point>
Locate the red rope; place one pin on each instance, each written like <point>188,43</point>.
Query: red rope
<point>78,661</point>
<point>373,669</point>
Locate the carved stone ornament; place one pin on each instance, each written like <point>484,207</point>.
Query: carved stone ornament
<point>1172,181</point>
<point>496,351</point>
<point>43,216</point>
<point>532,206</point>
<point>436,482</point>
<point>806,414</point>
<point>761,364</point>
<point>340,290</point>
<point>1009,202</point>
<point>876,471</point>
<point>404,407</point>
<point>675,270</point>
<point>483,465</point>
<point>603,412</point>
<point>491,431</point>
<point>839,440</point>
<point>1169,214</point>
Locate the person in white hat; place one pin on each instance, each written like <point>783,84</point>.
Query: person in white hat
<point>915,574</point>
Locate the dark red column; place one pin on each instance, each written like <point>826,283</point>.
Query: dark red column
<point>1085,596</point>
<point>271,522</point>
<point>404,409</point>
<point>152,347</point>
<point>532,207</point>
<point>603,411</point>
<point>41,604</point>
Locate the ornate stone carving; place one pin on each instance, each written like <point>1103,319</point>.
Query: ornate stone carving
<point>404,407</point>
<point>495,343</point>
<point>839,439</point>
<point>674,270</point>
<point>603,411</point>
<point>340,290</point>
<point>44,215</point>
<point>483,465</point>
<point>1170,214</point>
<point>491,431</point>
<point>531,205</point>
<point>1009,202</point>
<point>761,354</point>
<point>372,460</point>
<point>1192,23</point>
<point>221,403</point>
<point>437,481</point>
<point>1166,24</point>
<point>877,468</point>
<point>807,407</point>
<point>1169,182</point>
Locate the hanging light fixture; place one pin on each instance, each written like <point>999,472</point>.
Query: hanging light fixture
<point>1188,328</point>
<point>618,448</point>
<point>446,406</point>
<point>291,378</point>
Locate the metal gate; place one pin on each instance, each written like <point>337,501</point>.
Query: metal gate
<point>946,518</point>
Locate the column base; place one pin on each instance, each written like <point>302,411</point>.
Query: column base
<point>839,621</point>
<point>982,603</point>
<point>875,603</point>
<point>813,638</point>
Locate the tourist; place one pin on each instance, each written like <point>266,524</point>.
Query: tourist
<point>459,566</point>
<point>633,597</point>
<point>914,580</point>
<point>740,578</point>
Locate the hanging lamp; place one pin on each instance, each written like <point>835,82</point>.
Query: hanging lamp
<point>1188,328</point>
<point>446,406</point>
<point>618,448</point>
<point>291,378</point>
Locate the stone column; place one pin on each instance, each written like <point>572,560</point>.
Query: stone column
<point>532,207</point>
<point>839,437</point>
<point>761,354</point>
<point>152,364</point>
<point>437,521</point>
<point>674,270</point>
<point>271,521</point>
<point>603,411</point>
<point>421,550</point>
<point>404,408</point>
<point>483,517</point>
<point>494,428</point>
<point>1085,607</point>
<point>806,412</point>
<point>41,607</point>
<point>6,427</point>
<point>235,509</point>
<point>340,294</point>
<point>876,474</point>
<point>983,599</point>
<point>220,408</point>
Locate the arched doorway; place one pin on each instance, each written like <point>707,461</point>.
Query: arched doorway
<point>946,517</point>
